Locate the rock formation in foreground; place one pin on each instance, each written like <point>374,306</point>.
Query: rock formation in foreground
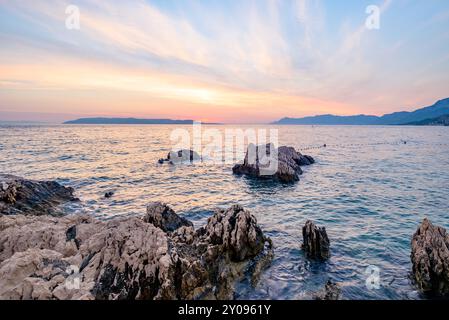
<point>289,163</point>
<point>79,257</point>
<point>331,291</point>
<point>181,156</point>
<point>19,196</point>
<point>315,241</point>
<point>430,258</point>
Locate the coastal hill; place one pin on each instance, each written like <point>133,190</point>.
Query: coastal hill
<point>440,121</point>
<point>128,121</point>
<point>440,108</point>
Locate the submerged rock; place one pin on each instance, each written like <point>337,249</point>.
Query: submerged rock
<point>162,216</point>
<point>331,291</point>
<point>430,258</point>
<point>316,242</point>
<point>79,257</point>
<point>20,196</point>
<point>258,163</point>
<point>109,194</point>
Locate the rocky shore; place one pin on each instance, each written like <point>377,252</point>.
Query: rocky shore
<point>157,256</point>
<point>45,254</point>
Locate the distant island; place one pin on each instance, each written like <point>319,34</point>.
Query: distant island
<point>424,116</point>
<point>129,121</point>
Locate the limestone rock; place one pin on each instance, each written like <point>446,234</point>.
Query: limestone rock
<point>315,241</point>
<point>20,196</point>
<point>79,257</point>
<point>237,230</point>
<point>180,156</point>
<point>430,258</point>
<point>258,163</point>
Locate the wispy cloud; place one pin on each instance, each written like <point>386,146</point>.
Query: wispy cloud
<point>230,57</point>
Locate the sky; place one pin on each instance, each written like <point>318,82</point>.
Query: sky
<point>250,61</point>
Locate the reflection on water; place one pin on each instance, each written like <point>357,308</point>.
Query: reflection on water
<point>368,188</point>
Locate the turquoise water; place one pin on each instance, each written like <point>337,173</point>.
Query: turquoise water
<point>368,188</point>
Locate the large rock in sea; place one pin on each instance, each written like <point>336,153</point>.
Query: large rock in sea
<point>315,241</point>
<point>20,196</point>
<point>257,163</point>
<point>79,257</point>
<point>430,259</point>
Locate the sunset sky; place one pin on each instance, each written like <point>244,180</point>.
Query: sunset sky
<point>223,61</point>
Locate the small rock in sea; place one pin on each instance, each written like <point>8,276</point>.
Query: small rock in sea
<point>430,259</point>
<point>316,242</point>
<point>287,168</point>
<point>109,194</point>
<point>162,216</point>
<point>20,196</point>
<point>181,156</point>
<point>331,291</point>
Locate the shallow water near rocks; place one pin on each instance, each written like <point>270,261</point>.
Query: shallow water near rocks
<point>368,188</point>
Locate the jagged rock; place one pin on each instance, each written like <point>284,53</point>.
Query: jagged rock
<point>162,216</point>
<point>331,291</point>
<point>20,196</point>
<point>315,241</point>
<point>430,258</point>
<point>181,156</point>
<point>237,230</point>
<point>258,164</point>
<point>79,257</point>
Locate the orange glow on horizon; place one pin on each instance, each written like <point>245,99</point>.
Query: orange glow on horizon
<point>110,90</point>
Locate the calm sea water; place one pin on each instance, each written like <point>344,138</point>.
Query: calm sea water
<point>368,188</point>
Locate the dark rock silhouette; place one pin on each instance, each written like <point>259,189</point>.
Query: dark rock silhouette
<point>315,241</point>
<point>109,194</point>
<point>20,196</point>
<point>430,258</point>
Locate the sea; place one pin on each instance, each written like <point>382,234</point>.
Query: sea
<point>371,187</point>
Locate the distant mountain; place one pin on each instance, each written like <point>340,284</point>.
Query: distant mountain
<point>329,119</point>
<point>439,121</point>
<point>127,121</point>
<point>438,109</point>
